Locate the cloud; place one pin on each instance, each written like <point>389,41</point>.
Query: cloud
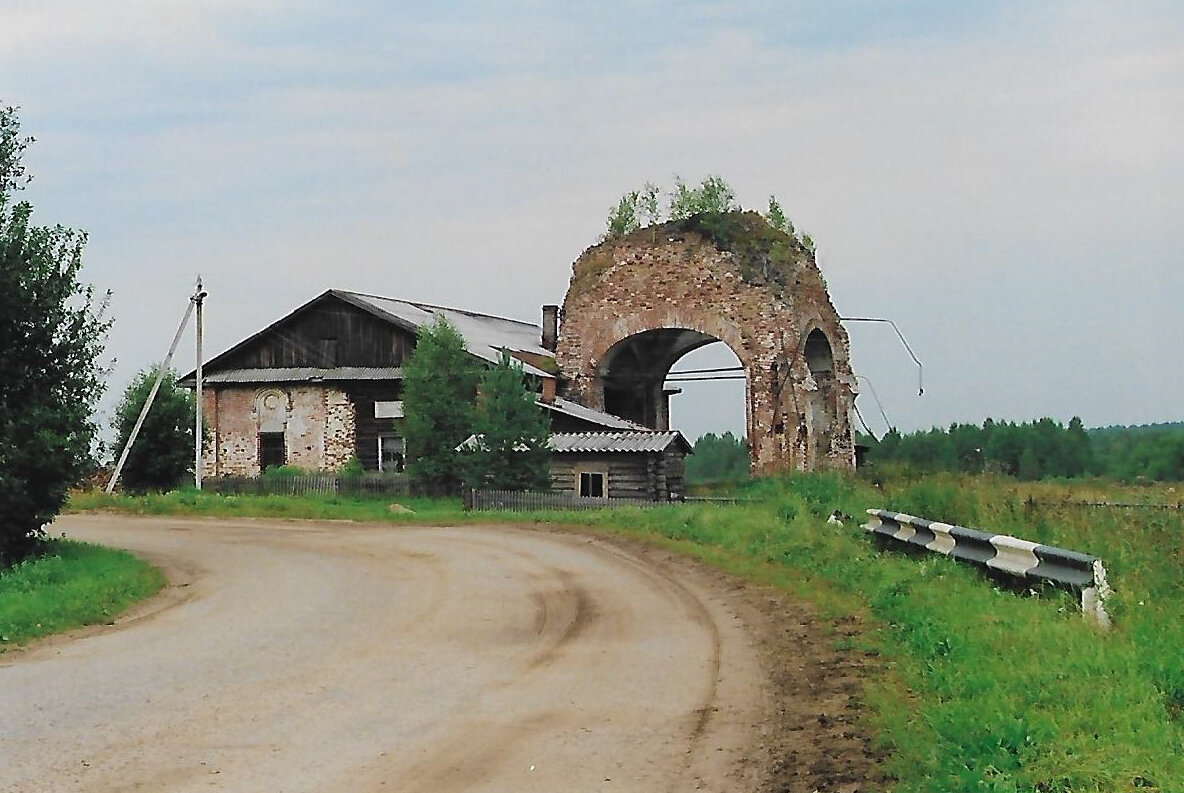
<point>998,177</point>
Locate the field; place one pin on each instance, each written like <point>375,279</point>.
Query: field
<point>978,686</point>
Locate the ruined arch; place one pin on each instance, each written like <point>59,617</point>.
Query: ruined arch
<point>631,374</point>
<point>639,302</point>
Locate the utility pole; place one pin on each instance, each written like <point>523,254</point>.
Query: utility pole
<point>198,298</point>
<point>164,368</point>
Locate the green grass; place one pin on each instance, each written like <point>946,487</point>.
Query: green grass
<point>980,687</point>
<point>72,584</point>
<point>312,507</point>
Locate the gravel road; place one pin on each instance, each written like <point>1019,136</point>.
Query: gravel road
<point>295,656</point>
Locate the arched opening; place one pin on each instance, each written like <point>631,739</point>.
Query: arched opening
<point>633,373</point>
<point>677,378</point>
<point>821,395</point>
<point>271,414</point>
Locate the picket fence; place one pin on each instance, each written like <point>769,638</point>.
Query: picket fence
<point>320,484</point>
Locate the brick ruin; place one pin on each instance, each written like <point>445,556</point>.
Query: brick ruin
<point>638,303</point>
<point>316,425</point>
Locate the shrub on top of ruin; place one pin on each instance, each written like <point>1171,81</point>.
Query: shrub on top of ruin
<point>712,196</point>
<point>709,208</point>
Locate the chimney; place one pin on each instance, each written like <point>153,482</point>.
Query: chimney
<point>550,327</point>
<point>548,395</point>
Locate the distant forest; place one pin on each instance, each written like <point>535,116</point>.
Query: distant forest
<point>1042,449</point>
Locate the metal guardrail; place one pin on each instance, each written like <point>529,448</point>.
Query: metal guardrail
<point>1078,571</point>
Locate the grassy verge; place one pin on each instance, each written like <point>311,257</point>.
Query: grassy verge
<point>312,507</point>
<point>984,688</point>
<point>71,585</point>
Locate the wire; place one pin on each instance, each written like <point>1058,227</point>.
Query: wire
<point>876,397</point>
<point>920,372</point>
<point>705,371</point>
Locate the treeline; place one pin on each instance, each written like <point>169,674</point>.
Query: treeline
<point>1039,449</point>
<point>718,459</point>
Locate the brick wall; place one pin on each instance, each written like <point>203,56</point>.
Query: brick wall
<point>798,419</point>
<point>317,423</point>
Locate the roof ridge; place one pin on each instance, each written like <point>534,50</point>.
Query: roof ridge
<point>425,306</point>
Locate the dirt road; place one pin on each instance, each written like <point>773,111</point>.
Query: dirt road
<point>340,657</point>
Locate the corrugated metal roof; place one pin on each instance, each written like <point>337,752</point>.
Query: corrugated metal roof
<point>485,335</point>
<point>576,410</point>
<point>622,441</point>
<point>303,374</point>
<point>626,441</point>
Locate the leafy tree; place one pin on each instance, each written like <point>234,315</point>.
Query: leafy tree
<point>511,450</point>
<point>623,218</point>
<point>163,452</point>
<point>718,458</point>
<point>648,211</point>
<point>52,331</point>
<point>439,385</point>
<point>713,195</point>
<point>777,218</point>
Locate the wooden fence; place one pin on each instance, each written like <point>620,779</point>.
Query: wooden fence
<point>302,484</point>
<point>526,501</point>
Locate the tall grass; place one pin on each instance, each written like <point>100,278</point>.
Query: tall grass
<point>1004,691</point>
<point>70,585</point>
<point>984,687</point>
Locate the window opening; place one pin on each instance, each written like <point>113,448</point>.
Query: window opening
<point>592,484</point>
<point>391,449</point>
<point>271,450</point>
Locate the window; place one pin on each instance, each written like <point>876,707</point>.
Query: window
<point>592,484</point>
<point>388,410</point>
<point>390,454</point>
<point>271,450</point>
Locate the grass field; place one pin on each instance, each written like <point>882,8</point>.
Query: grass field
<point>980,688</point>
<point>71,585</point>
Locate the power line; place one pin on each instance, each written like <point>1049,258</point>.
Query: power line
<point>920,383</point>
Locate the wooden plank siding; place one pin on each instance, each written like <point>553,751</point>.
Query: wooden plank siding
<point>652,476</point>
<point>367,428</point>
<point>329,333</point>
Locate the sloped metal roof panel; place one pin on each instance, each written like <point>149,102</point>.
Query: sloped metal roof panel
<point>621,441</point>
<point>485,335</point>
<point>576,410</point>
<point>303,374</point>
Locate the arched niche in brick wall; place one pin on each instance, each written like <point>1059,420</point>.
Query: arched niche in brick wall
<point>638,303</point>
<point>271,410</point>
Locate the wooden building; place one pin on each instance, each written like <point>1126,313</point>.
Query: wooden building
<point>640,464</point>
<point>324,385</point>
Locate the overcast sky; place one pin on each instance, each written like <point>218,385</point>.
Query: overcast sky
<point>1005,180</point>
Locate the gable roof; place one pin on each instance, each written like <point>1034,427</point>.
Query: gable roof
<point>619,441</point>
<point>485,335</point>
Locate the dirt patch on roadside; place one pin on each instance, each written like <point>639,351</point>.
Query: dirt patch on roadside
<point>811,740</point>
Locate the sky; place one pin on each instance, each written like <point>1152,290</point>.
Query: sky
<point>1004,180</point>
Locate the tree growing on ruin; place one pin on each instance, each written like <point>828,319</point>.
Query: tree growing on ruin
<point>510,445</point>
<point>705,203</point>
<point>439,386</point>
<point>52,332</point>
<point>163,452</point>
